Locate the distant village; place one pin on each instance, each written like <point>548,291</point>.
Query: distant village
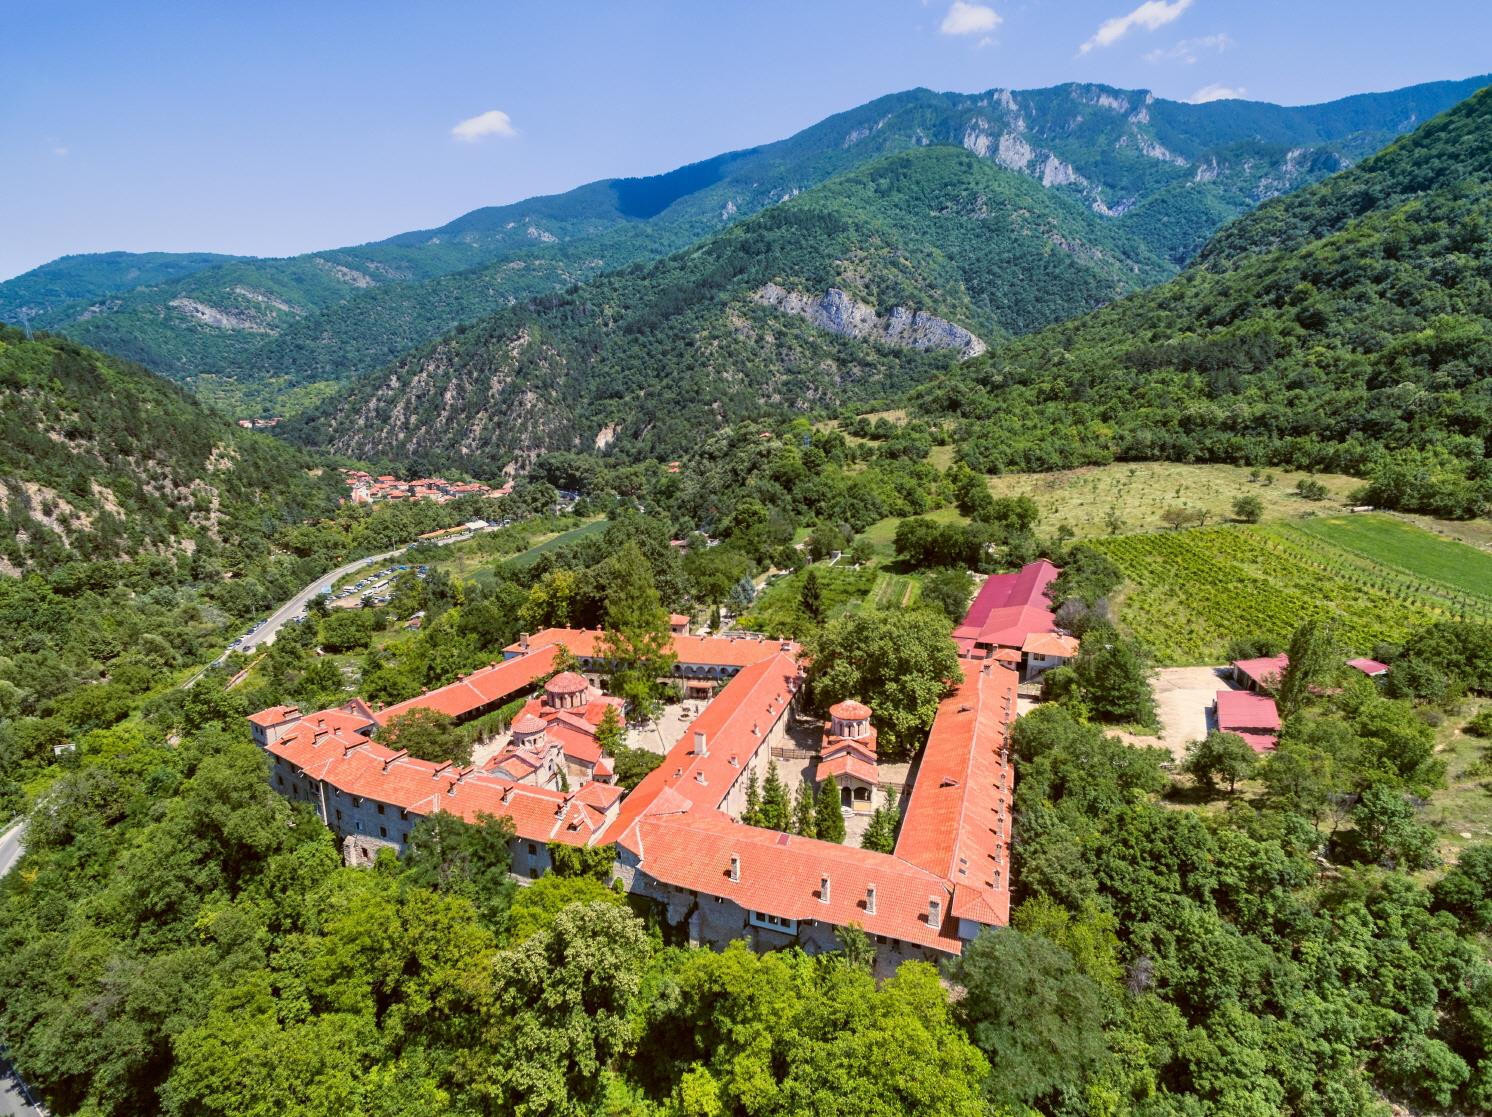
<point>365,488</point>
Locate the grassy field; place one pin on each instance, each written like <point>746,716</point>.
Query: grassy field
<point>1394,543</point>
<point>882,534</point>
<point>1138,492</point>
<point>1188,593</point>
<point>776,612</point>
<point>1462,810</point>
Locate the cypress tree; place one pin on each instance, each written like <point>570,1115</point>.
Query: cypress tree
<point>777,811</point>
<point>830,820</point>
<point>811,596</point>
<point>752,815</point>
<point>803,814</point>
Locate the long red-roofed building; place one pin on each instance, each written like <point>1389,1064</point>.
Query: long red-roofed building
<point>677,838</point>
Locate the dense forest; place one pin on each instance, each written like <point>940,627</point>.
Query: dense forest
<point>658,353</point>
<point>101,460</point>
<point>1344,328</point>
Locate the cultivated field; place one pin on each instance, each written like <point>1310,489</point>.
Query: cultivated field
<point>1188,593</point>
<point>1138,492</point>
<point>1387,541</point>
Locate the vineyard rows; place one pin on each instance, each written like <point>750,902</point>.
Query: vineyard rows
<point>1190,592</point>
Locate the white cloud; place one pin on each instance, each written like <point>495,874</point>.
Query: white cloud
<point>970,19</point>
<point>1150,15</point>
<point>59,151</point>
<point>1216,92</point>
<point>493,122</point>
<point>1188,50</point>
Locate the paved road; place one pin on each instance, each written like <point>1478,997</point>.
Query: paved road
<point>10,848</point>
<point>297,604</point>
<point>15,1099</point>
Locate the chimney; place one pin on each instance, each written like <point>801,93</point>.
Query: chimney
<point>823,890</point>
<point>870,899</point>
<point>699,743</point>
<point>699,777</point>
<point>987,665</point>
<point>735,867</point>
<point>523,640</point>
<point>934,912</point>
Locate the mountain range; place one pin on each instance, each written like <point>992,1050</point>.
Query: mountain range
<point>1159,176</point>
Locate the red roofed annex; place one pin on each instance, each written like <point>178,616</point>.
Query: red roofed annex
<point>677,835</point>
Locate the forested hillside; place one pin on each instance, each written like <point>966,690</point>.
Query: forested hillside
<point>1344,328</point>
<point>277,335</point>
<point>857,289</point>
<point>100,461</point>
<point>69,279</point>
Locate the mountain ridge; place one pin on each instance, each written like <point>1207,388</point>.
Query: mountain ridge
<point>261,334</point>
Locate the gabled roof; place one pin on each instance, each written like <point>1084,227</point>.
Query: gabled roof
<point>332,746</point>
<point>735,725</point>
<point>1263,671</point>
<point>483,687</point>
<point>1051,644</point>
<point>952,825</point>
<point>1369,667</point>
<point>782,874</point>
<point>715,651</point>
<point>275,715</point>
<point>848,764</point>
<point>1253,717</point>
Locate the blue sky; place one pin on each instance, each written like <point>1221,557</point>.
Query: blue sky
<point>272,128</point>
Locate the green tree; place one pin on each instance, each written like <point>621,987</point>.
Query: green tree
<point>1315,662</point>
<point>427,734</point>
<point>1389,834</point>
<point>803,811</point>
<point>811,596</point>
<point>563,998</point>
<point>776,811</point>
<point>899,663</point>
<point>828,814</point>
<point>636,644</point>
<point>447,854</point>
<point>751,815</point>
<point>1224,757</point>
<point>1113,674</point>
<point>611,734</point>
<point>948,590</point>
<point>1037,1018</point>
<point>1248,509</point>
<point>536,905</point>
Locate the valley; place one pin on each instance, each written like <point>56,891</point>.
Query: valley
<point>977,606</point>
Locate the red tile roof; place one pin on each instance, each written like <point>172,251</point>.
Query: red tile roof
<point>957,820</point>
<point>717,651</point>
<point>735,725</point>
<point>331,746</point>
<point>483,687</point>
<point>848,764</point>
<point>1051,644</point>
<point>275,715</point>
<point>849,710</point>
<point>566,682</point>
<point>782,874</point>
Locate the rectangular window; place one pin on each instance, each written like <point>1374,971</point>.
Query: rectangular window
<point>773,922</point>
<point>339,814</point>
<point>280,780</point>
<point>380,808</point>
<point>359,825</point>
<point>532,849</point>
<point>383,831</point>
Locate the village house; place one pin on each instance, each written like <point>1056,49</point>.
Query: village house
<point>1011,621</point>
